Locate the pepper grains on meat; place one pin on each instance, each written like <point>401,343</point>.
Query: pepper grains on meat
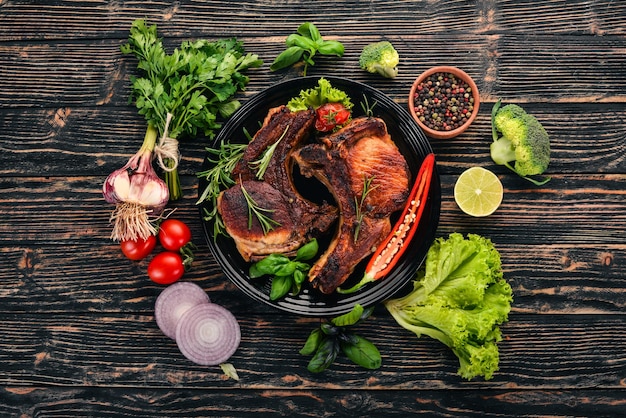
<point>443,102</point>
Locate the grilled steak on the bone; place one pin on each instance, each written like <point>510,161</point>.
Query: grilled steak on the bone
<point>362,150</point>
<point>296,219</point>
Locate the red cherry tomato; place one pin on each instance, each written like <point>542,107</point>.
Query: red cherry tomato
<point>166,267</point>
<point>138,249</point>
<point>330,115</point>
<point>174,234</point>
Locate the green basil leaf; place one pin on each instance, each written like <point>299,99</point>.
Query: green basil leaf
<point>312,343</point>
<point>331,47</point>
<point>295,288</point>
<point>308,250</point>
<point>267,266</point>
<point>328,329</point>
<point>254,272</point>
<point>309,30</point>
<point>349,318</point>
<point>280,287</point>
<point>287,58</point>
<point>348,337</point>
<point>324,356</point>
<point>286,270</point>
<point>307,58</point>
<point>363,353</point>
<point>298,277</point>
<point>366,313</point>
<point>302,267</point>
<point>298,40</point>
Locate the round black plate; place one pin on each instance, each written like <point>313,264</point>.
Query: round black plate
<point>411,142</point>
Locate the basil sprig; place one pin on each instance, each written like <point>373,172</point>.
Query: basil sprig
<point>287,275</point>
<point>303,45</point>
<point>335,336</point>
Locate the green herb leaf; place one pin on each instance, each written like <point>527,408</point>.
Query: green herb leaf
<point>367,189</point>
<point>312,343</point>
<point>268,265</point>
<point>263,163</point>
<point>303,42</point>
<point>195,84</point>
<point>265,221</point>
<point>309,30</point>
<point>218,178</point>
<point>229,370</point>
<point>287,58</point>
<point>349,318</point>
<point>298,279</point>
<point>329,329</point>
<point>280,287</point>
<point>303,46</point>
<point>363,353</point>
<point>286,270</point>
<point>308,250</point>
<point>367,109</point>
<point>334,335</point>
<point>331,47</point>
<point>324,356</point>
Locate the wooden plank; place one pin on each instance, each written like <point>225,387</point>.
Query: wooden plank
<point>78,278</point>
<point>79,338</point>
<point>575,213</point>
<point>100,19</point>
<point>78,74</point>
<point>189,402</point>
<point>55,256</point>
<point>550,352</point>
<point>96,141</point>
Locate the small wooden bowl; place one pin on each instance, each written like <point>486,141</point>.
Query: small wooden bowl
<point>444,134</point>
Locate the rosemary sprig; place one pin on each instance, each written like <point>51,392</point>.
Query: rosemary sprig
<point>367,189</point>
<point>266,222</point>
<point>262,163</point>
<point>367,109</point>
<point>218,177</point>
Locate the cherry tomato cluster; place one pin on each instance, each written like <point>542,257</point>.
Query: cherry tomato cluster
<point>167,266</point>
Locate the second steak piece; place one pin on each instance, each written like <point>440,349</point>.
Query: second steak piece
<point>362,152</point>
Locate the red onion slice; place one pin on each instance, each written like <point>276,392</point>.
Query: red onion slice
<point>208,334</point>
<point>173,302</point>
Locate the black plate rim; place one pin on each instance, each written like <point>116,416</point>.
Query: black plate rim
<point>310,302</point>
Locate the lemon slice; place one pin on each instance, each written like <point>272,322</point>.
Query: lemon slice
<point>478,192</point>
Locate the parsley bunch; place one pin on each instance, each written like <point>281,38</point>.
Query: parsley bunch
<point>195,85</point>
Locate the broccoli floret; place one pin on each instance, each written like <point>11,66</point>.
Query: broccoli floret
<point>523,141</point>
<point>380,57</point>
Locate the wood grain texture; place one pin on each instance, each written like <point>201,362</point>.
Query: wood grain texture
<point>77,333</point>
<point>102,19</point>
<point>84,350</point>
<point>188,402</point>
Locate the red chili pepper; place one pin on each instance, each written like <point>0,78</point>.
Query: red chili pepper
<point>391,249</point>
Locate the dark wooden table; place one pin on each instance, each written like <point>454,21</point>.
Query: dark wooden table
<point>77,334</point>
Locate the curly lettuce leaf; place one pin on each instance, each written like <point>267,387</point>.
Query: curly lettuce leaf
<point>314,97</point>
<point>459,298</point>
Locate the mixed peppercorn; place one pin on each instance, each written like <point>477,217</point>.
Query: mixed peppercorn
<point>443,102</point>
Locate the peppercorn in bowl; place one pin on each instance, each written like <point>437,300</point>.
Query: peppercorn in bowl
<point>444,101</point>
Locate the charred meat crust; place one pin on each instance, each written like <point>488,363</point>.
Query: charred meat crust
<point>362,150</point>
<point>297,219</point>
